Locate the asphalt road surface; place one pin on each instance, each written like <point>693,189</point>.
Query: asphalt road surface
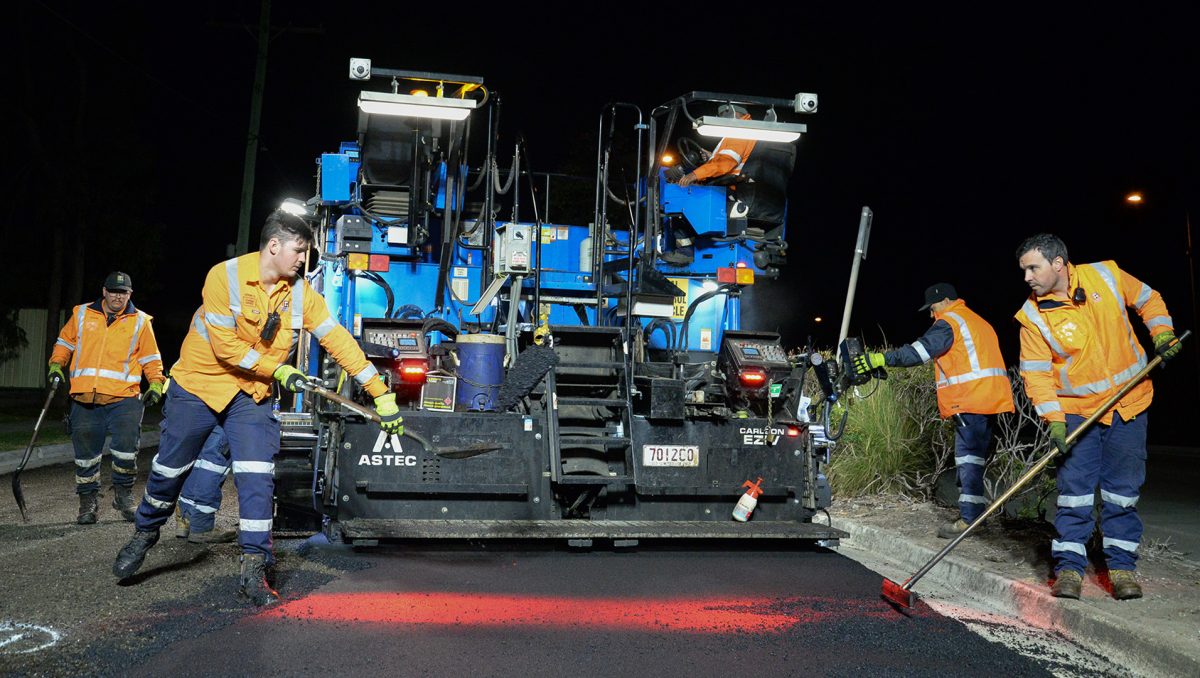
<point>458,608</point>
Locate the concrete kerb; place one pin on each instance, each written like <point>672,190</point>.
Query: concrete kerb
<point>46,455</point>
<point>1120,638</point>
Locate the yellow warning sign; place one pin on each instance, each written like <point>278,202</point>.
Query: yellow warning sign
<point>679,308</point>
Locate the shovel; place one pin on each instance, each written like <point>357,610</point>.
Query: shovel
<point>462,452</point>
<point>16,484</point>
<point>902,595</point>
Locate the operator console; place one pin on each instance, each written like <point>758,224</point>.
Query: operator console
<point>753,361</point>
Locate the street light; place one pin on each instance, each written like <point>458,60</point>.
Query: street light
<point>1136,199</point>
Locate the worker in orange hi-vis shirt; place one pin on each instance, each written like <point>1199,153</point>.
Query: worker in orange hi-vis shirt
<point>254,308</point>
<point>107,346</point>
<point>726,160</point>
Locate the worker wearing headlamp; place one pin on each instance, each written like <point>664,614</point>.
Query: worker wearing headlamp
<point>254,308</point>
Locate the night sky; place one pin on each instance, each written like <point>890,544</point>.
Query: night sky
<point>964,130</point>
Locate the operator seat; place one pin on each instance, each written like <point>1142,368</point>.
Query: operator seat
<point>386,143</point>
<point>764,183</point>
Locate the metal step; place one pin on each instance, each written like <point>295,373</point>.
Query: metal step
<point>380,528</point>
<point>596,402</point>
<point>592,440</point>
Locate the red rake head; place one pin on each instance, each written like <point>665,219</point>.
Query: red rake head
<point>898,595</point>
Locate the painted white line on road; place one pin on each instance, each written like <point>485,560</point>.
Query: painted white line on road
<point>18,638</point>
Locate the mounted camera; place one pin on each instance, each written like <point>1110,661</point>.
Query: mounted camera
<point>360,69</point>
<point>806,102</point>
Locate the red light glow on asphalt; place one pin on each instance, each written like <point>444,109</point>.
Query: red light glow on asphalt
<point>706,615</point>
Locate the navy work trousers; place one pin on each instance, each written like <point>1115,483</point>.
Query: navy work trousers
<point>1112,458</point>
<point>970,458</point>
<point>90,425</point>
<point>252,430</point>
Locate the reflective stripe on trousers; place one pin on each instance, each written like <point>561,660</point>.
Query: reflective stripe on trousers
<point>970,454</point>
<point>252,432</point>
<point>90,425</point>
<point>1112,458</point>
<point>200,498</point>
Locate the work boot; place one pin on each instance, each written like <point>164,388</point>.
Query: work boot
<point>252,582</point>
<point>1067,584</point>
<point>952,530</point>
<point>182,525</point>
<point>1124,584</point>
<point>132,554</point>
<point>123,502</point>
<point>213,536</point>
<point>89,506</point>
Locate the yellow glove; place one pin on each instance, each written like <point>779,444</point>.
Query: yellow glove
<point>55,373</point>
<point>389,412</point>
<point>867,362</point>
<point>1058,435</point>
<point>289,377</point>
<point>1166,346</point>
<point>154,395</point>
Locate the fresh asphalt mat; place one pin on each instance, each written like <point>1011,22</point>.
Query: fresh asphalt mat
<point>532,609</point>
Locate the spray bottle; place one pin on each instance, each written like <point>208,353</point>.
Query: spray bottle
<point>749,500</point>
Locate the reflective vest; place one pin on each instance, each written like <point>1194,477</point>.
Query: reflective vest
<point>1075,356</point>
<point>729,157</point>
<point>971,377</point>
<point>224,351</point>
<point>108,359</point>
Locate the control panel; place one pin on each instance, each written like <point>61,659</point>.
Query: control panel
<point>755,349</point>
<point>394,338</point>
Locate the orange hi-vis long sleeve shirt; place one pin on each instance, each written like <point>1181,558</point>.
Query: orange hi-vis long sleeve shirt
<point>728,157</point>
<point>104,361</point>
<point>224,351</point>
<point>1075,356</point>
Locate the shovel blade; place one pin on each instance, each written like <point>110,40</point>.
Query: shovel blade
<point>897,595</point>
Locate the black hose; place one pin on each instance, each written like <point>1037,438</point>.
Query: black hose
<point>683,330</point>
<point>387,289</point>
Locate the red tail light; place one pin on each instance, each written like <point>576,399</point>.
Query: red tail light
<point>793,431</point>
<point>412,370</point>
<point>753,377</point>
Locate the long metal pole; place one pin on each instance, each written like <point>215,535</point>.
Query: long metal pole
<point>860,253</point>
<point>248,168</point>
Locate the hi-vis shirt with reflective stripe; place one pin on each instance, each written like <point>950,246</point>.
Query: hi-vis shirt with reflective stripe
<point>971,377</point>
<point>1076,356</point>
<point>104,358</point>
<point>728,158</point>
<point>224,352</point>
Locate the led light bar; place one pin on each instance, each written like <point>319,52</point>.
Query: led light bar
<point>438,108</point>
<point>760,130</point>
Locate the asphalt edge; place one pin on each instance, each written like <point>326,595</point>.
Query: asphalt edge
<point>59,453</point>
<point>1118,638</point>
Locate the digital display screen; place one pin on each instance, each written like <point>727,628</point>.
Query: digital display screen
<point>406,341</point>
<point>749,350</point>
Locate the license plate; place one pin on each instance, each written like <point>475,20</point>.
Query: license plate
<point>671,455</point>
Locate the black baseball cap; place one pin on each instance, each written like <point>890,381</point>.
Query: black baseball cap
<point>118,281</point>
<point>935,293</point>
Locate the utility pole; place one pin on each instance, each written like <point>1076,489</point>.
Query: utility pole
<point>260,77</point>
<point>248,168</point>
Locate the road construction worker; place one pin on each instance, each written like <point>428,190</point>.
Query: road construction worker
<point>726,160</point>
<point>254,308</point>
<point>972,388</point>
<point>1077,350</point>
<point>106,347</point>
<point>200,497</point>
